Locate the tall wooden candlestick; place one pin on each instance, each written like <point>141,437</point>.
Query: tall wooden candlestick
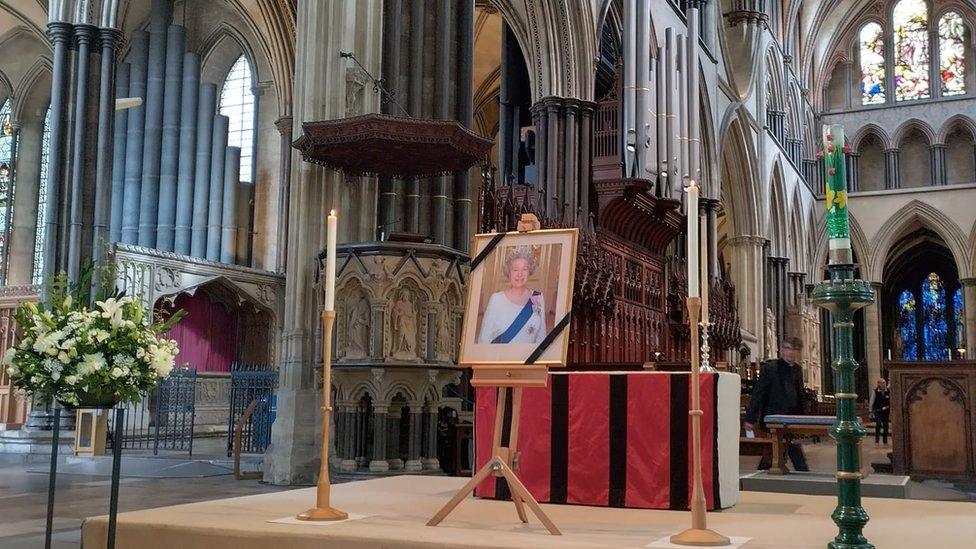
<point>698,535</point>
<point>323,510</point>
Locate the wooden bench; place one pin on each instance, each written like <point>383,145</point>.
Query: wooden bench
<point>762,447</point>
<point>787,428</point>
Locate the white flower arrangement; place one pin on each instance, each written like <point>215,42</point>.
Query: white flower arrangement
<point>78,356</point>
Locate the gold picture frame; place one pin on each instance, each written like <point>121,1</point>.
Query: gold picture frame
<point>550,257</point>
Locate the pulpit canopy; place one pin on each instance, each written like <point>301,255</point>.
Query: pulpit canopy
<point>390,146</point>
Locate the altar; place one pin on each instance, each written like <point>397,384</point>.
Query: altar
<point>619,439</point>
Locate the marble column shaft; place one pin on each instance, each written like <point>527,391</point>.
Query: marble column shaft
<point>105,161</point>
<point>938,165</point>
<point>284,128</point>
<point>872,337</point>
<point>84,36</point>
<point>892,170</point>
<point>465,112</point>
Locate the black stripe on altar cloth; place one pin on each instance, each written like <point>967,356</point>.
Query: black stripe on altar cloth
<point>679,442</point>
<point>716,491</point>
<point>618,440</point>
<point>559,439</point>
<point>501,485</point>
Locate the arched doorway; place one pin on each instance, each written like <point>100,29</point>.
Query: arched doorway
<point>922,314</point>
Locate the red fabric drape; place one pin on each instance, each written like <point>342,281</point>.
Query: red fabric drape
<point>207,335</point>
<point>648,457</point>
<point>588,439</point>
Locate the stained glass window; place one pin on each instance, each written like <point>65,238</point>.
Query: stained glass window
<point>934,327</point>
<point>8,151</point>
<point>872,64</point>
<point>237,103</point>
<point>907,342</point>
<point>40,232</point>
<point>952,54</point>
<point>959,317</point>
<point>911,40</point>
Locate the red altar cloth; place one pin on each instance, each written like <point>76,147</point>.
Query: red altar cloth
<point>617,439</point>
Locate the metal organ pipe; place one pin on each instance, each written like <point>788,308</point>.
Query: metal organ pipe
<point>660,99</point>
<point>674,179</point>
<point>152,145</point>
<point>217,163</point>
<point>642,104</point>
<point>442,73</point>
<point>630,83</point>
<point>228,217</point>
<point>201,181</point>
<point>412,201</point>
<point>135,131</point>
<point>170,154</point>
<point>189,105</point>
<point>118,154</point>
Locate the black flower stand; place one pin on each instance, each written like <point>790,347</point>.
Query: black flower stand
<point>113,505</point>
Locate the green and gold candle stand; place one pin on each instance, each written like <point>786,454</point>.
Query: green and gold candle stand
<point>842,295</point>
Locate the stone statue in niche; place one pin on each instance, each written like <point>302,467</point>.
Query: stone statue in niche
<point>404,323</point>
<point>355,84</point>
<point>444,339</point>
<point>770,339</point>
<point>357,326</point>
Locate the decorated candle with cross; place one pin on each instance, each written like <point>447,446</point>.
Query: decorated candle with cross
<point>835,189</point>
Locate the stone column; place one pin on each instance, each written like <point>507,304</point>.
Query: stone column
<point>84,37</point>
<point>748,266</point>
<point>359,421</point>
<point>320,92</point>
<point>938,165</point>
<point>872,337</point>
<point>285,129</point>
<point>378,463</point>
<point>393,439</point>
<point>413,446</point>
<point>348,454</point>
<point>969,308</point>
<point>892,171</point>
<point>852,182</point>
<point>430,461</point>
<point>105,161</point>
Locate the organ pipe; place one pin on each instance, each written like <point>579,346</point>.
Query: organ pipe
<point>135,131</point>
<point>189,105</point>
<point>170,153</point>
<point>118,154</point>
<point>152,145</point>
<point>201,181</point>
<point>228,216</point>
<point>217,164</point>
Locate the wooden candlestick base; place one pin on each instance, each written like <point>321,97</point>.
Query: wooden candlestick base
<point>696,537</point>
<point>322,509</point>
<point>327,513</point>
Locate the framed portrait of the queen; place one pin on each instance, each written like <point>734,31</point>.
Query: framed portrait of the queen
<point>520,294</point>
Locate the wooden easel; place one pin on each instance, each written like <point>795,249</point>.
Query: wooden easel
<point>504,461</point>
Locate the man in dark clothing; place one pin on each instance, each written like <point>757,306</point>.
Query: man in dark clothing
<point>779,390</point>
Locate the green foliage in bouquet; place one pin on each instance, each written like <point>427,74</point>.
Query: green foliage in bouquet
<point>80,355</point>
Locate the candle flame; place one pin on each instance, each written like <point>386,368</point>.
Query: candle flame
<point>332,213</point>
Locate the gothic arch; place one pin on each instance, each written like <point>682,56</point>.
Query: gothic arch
<point>25,91</point>
<point>866,130</point>
<point>220,50</point>
<point>955,121</point>
<point>912,124</point>
<point>740,188</point>
<point>777,209</point>
<point>559,41</point>
<point>6,89</point>
<point>917,212</point>
<point>774,79</point>
<point>399,386</point>
<point>359,390</point>
<point>796,241</point>
<point>859,244</point>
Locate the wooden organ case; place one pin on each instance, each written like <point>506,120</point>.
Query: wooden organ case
<point>628,307</point>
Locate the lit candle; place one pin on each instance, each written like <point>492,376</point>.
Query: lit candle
<point>889,354</point>
<point>330,262</point>
<point>703,258</point>
<point>692,245</point>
